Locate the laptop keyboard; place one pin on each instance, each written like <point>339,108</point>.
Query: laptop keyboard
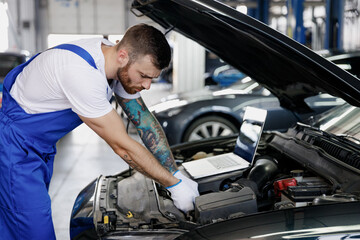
<point>223,162</point>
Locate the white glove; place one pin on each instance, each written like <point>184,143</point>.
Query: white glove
<point>191,183</point>
<point>184,192</point>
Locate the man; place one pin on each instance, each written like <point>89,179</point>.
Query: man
<point>57,90</point>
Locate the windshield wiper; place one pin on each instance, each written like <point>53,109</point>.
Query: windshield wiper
<point>343,138</point>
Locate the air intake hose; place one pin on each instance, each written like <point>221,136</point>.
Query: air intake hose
<point>264,169</point>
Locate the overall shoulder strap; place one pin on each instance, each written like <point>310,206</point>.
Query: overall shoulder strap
<point>11,76</point>
<point>79,51</point>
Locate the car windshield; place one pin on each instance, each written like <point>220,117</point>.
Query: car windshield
<point>342,121</point>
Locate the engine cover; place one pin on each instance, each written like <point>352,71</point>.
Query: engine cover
<point>223,205</point>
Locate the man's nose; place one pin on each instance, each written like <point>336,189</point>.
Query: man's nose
<point>147,83</point>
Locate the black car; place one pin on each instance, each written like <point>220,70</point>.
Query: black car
<point>304,183</point>
<point>215,111</point>
<point>9,60</point>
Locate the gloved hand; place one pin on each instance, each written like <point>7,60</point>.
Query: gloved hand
<point>184,192</point>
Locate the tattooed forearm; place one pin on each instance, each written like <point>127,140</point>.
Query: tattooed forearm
<point>150,131</point>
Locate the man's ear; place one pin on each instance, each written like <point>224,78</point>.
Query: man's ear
<point>122,57</point>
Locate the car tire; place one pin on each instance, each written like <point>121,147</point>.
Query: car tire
<point>210,126</point>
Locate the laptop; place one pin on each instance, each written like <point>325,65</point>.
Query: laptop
<point>244,153</point>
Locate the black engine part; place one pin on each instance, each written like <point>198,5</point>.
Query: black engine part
<point>222,205</point>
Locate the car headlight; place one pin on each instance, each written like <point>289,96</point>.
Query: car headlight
<point>81,222</point>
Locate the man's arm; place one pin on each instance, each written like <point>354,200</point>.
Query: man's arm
<point>149,130</point>
<point>111,128</point>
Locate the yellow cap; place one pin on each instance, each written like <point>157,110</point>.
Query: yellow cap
<point>106,219</point>
<point>129,215</point>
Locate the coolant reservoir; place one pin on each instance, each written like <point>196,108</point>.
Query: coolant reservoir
<point>297,174</point>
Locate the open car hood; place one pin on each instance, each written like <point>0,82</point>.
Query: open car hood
<point>288,69</point>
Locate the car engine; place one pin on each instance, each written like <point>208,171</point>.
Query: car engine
<point>287,173</point>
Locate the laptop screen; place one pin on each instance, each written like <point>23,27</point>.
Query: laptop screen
<point>247,141</point>
<point>250,133</point>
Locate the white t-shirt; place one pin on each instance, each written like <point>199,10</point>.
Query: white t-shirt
<point>60,79</point>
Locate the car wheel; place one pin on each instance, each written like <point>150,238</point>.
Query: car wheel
<point>211,126</point>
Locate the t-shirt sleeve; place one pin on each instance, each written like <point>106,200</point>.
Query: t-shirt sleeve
<point>120,91</point>
<point>86,90</point>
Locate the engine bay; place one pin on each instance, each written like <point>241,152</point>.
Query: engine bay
<point>276,181</point>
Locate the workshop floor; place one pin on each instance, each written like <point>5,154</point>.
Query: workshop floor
<point>81,157</point>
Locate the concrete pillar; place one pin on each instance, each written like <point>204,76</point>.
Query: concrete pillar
<point>188,64</point>
<point>41,25</point>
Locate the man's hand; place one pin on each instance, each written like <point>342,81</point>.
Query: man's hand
<point>184,192</point>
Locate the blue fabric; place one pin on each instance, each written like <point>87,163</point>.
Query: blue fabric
<point>27,150</point>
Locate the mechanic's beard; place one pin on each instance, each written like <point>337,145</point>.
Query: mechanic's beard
<point>123,77</point>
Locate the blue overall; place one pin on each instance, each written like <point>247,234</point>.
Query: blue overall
<point>27,150</point>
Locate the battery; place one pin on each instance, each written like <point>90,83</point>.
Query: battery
<point>307,191</point>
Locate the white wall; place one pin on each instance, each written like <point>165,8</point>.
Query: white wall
<point>87,16</point>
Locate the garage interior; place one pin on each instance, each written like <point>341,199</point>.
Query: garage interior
<point>32,26</point>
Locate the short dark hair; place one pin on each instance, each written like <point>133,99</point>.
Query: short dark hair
<point>143,39</point>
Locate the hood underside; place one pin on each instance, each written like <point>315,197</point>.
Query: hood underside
<point>288,69</point>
